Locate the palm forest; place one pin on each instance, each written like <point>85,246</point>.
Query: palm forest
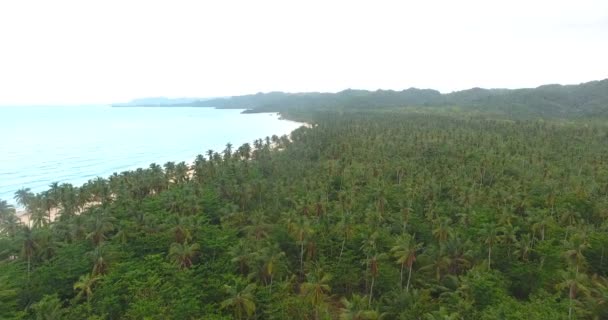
<point>383,207</point>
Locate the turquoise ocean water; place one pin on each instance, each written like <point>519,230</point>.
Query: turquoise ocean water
<point>41,145</point>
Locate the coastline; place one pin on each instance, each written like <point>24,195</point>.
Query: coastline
<point>301,123</point>
<point>25,217</point>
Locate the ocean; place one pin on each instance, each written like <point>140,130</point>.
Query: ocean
<point>42,145</point>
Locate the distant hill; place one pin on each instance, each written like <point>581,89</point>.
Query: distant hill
<point>582,100</point>
<point>586,99</point>
<point>278,101</point>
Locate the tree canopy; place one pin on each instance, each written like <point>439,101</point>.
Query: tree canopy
<point>367,214</point>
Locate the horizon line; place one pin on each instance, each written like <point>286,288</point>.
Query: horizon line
<point>170,97</point>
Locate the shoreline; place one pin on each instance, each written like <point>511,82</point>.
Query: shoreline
<point>24,216</point>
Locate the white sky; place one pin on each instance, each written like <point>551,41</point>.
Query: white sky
<point>69,52</point>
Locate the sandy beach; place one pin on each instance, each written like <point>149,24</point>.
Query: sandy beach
<point>25,217</point>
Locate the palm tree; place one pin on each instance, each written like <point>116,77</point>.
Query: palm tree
<point>170,172</point>
<point>78,229</point>
<point>271,261</point>
<point>374,270</point>
<point>575,283</point>
<point>300,229</point>
<point>509,237</point>
<point>53,196</point>
<point>180,230</point>
<point>369,247</point>
<point>49,308</point>
<point>596,303</point>
<point>406,213</point>
<point>570,217</point>
<point>5,209</point>
<point>442,314</point>
<point>54,191</point>
<point>524,246</point>
<point>275,139</point>
<point>182,172</point>
<point>100,264</point>
<point>9,222</point>
<point>29,247</point>
<point>199,168</point>
<point>357,309</point>
<point>101,226</point>
<point>489,232</point>
<point>45,204</point>
<point>574,252</point>
<point>506,218</point>
<point>157,177</point>
<point>241,301</point>
<point>259,227</point>
<point>24,197</point>
<point>443,230</point>
<point>210,155</point>
<point>404,251</point>
<point>38,216</point>
<point>245,151</point>
<point>241,254</point>
<point>183,253</point>
<point>228,151</point>
<point>346,227</point>
<point>459,256</point>
<point>46,243</point>
<point>69,199</point>
<point>85,285</point>
<point>464,218</point>
<point>316,289</point>
<point>439,262</point>
<point>122,236</point>
<point>541,221</point>
<point>257,145</point>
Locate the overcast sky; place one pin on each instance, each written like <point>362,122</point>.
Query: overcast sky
<point>70,52</point>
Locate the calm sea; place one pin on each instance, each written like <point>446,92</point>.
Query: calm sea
<point>41,145</point>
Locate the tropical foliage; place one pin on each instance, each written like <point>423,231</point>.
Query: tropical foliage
<point>367,214</point>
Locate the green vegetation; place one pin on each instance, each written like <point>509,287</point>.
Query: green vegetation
<point>371,213</point>
<point>550,101</point>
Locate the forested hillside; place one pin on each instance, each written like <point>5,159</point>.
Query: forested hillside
<point>366,215</point>
<point>549,101</point>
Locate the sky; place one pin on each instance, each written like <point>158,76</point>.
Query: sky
<point>90,52</point>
